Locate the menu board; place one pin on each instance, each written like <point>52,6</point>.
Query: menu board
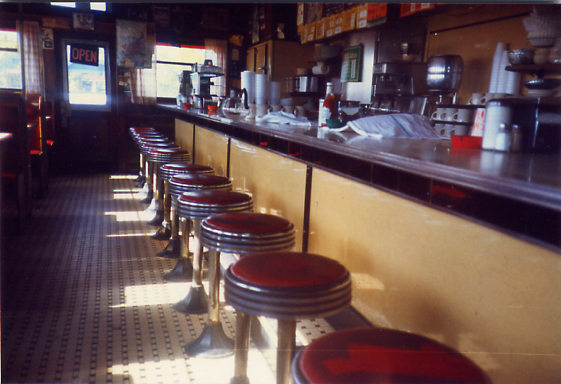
<point>409,9</point>
<point>351,67</point>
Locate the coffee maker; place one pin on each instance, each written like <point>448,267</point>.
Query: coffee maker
<point>201,88</point>
<point>399,87</point>
<point>185,85</point>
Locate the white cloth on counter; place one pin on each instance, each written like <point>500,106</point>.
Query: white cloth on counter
<point>395,125</point>
<point>283,118</point>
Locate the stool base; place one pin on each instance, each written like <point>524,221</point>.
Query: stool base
<point>213,342</point>
<point>140,182</point>
<point>183,271</point>
<point>139,178</point>
<point>163,233</point>
<point>172,250</point>
<point>196,301</point>
<point>148,198</point>
<point>158,218</point>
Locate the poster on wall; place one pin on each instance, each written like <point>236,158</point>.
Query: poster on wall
<point>48,38</point>
<point>136,42</point>
<point>352,64</point>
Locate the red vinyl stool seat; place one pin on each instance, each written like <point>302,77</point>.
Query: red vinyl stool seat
<point>159,156</point>
<point>166,172</point>
<point>196,206</point>
<point>177,185</point>
<point>286,286</point>
<point>240,233</point>
<point>378,355</point>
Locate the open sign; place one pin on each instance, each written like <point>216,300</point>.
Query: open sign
<point>84,54</point>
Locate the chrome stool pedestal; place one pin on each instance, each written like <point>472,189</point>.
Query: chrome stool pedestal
<point>158,157</point>
<point>166,172</point>
<point>178,184</point>
<point>240,233</point>
<point>197,206</point>
<point>286,286</point>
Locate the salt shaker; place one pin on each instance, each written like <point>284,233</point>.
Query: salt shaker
<point>502,140</point>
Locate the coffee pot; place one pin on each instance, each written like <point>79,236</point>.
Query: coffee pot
<point>235,105</point>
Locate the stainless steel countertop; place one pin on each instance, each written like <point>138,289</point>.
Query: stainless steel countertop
<point>530,177</point>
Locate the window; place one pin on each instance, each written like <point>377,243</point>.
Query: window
<point>87,86</point>
<point>97,6</point>
<point>10,60</point>
<point>171,62</point>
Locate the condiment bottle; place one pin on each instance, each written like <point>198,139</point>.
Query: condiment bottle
<point>502,139</point>
<point>516,138</point>
<point>329,107</point>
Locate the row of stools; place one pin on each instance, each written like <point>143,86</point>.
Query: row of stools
<point>270,280</point>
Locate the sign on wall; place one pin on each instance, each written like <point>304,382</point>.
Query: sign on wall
<point>352,64</point>
<point>84,54</point>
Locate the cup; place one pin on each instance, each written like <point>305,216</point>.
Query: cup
<point>464,115</point>
<point>459,129</point>
<point>477,99</point>
<point>448,129</point>
<point>300,111</point>
<point>288,108</point>
<point>261,110</point>
<point>438,114</point>
<point>449,113</point>
<point>187,106</point>
<point>275,108</point>
<point>439,128</point>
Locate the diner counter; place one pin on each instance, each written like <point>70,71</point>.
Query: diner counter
<point>479,184</point>
<point>529,177</point>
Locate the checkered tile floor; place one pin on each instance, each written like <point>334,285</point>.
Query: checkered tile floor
<point>84,299</point>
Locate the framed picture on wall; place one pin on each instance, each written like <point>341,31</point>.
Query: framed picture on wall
<point>82,20</point>
<point>351,67</point>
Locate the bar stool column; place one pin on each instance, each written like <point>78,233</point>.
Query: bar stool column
<point>198,205</point>
<point>159,156</point>
<point>179,184</point>
<point>166,172</point>
<point>286,286</point>
<point>239,233</point>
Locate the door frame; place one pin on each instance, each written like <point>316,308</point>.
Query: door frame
<point>107,107</point>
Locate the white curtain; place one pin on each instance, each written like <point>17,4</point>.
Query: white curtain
<point>144,87</point>
<point>32,52</point>
<point>217,51</point>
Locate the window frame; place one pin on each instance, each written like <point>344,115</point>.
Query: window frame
<point>16,50</point>
<point>170,98</point>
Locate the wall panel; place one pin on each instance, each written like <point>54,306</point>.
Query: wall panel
<point>418,269</point>
<point>277,183</point>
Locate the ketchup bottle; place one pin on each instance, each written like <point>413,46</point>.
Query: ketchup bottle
<point>329,107</point>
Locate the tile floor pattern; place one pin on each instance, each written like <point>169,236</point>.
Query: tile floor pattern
<point>84,299</point>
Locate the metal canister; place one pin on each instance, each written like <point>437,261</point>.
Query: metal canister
<point>497,112</point>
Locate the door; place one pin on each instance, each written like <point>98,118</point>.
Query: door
<point>86,106</point>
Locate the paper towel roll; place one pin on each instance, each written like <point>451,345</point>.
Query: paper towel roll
<point>260,88</point>
<point>503,74</point>
<point>497,57</point>
<point>248,82</point>
<point>274,92</point>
